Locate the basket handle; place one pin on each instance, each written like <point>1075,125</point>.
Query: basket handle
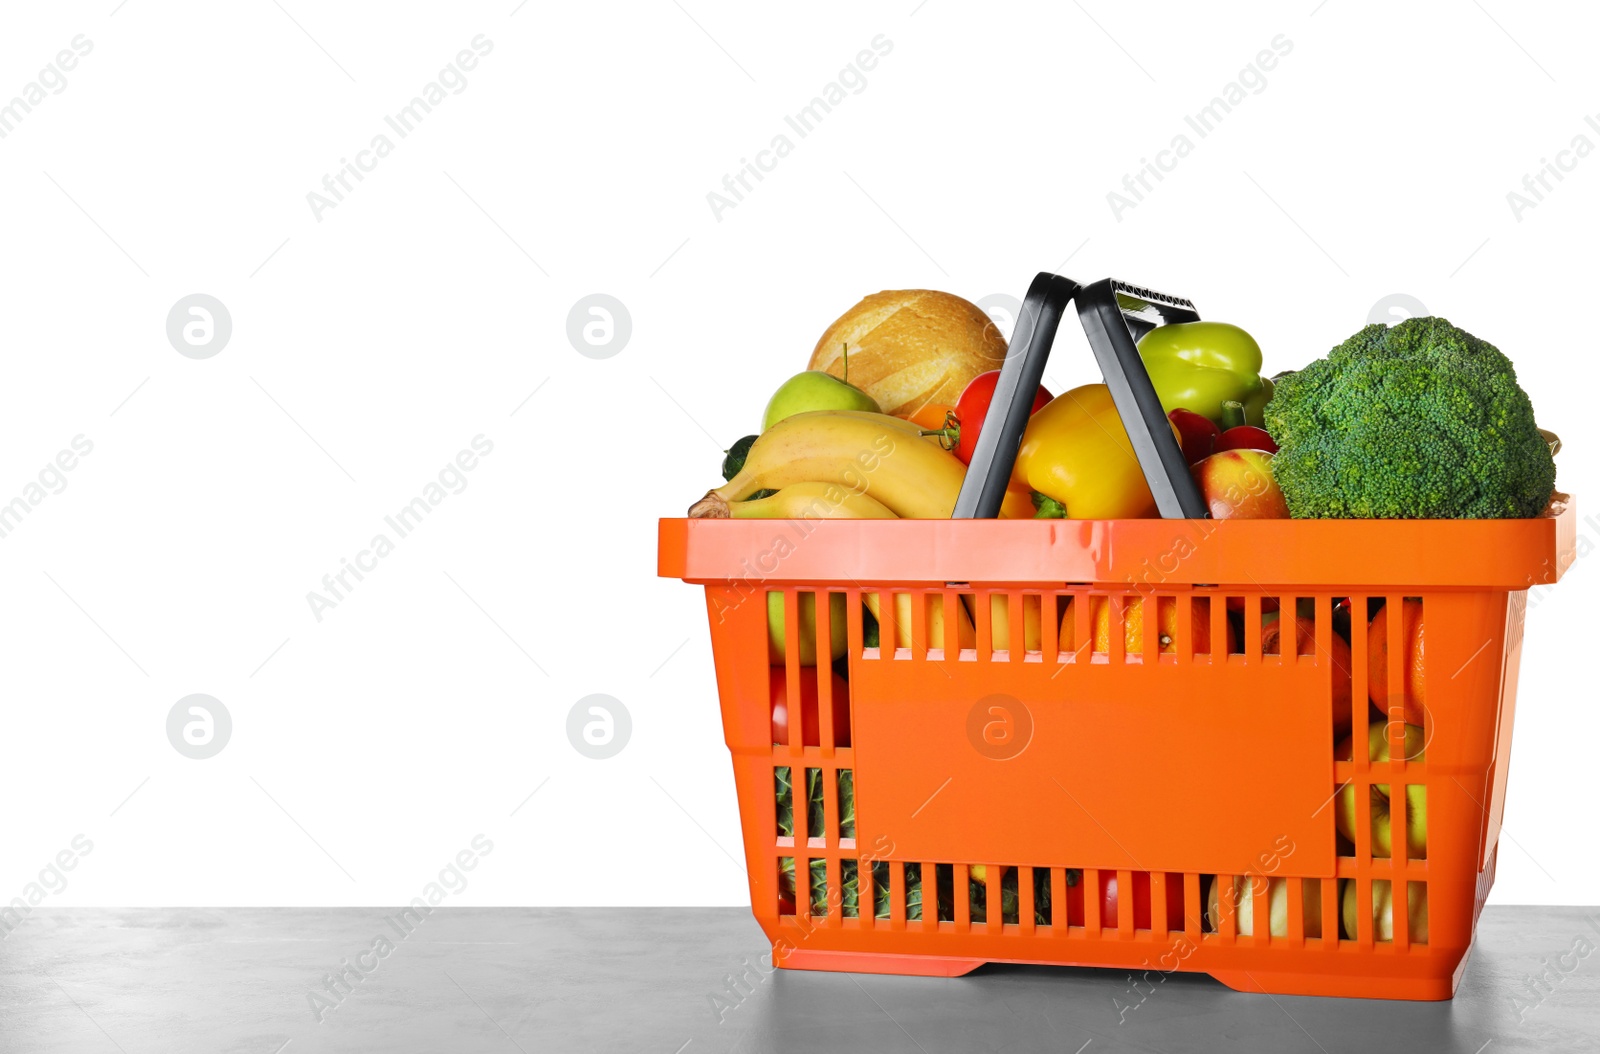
<point>989,473</point>
<point>1114,316</point>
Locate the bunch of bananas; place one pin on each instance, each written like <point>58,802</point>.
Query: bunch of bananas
<point>840,464</point>
<point>845,464</point>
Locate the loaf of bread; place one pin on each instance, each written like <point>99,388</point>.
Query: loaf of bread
<point>911,347</point>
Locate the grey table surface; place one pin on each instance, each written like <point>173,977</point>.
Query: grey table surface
<point>503,980</point>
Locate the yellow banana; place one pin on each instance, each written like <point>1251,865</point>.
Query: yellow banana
<point>811,501</point>
<point>966,635</point>
<point>872,454</point>
<point>1000,622</point>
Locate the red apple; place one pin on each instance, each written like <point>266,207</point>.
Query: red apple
<point>1238,485</point>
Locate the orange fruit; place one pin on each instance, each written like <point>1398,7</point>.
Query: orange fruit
<point>1133,610</point>
<point>1410,692</point>
<point>929,415</point>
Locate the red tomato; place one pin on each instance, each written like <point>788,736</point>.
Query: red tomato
<point>811,730</point>
<point>973,407</point>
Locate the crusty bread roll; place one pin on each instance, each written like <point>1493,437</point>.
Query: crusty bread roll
<point>911,347</point>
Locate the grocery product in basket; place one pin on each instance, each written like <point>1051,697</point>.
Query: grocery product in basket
<point>1238,485</point>
<point>817,390</point>
<point>1202,365</point>
<point>1305,643</point>
<point>1412,687</point>
<point>1197,434</point>
<point>783,710</point>
<point>1237,435</point>
<point>1276,890</point>
<point>1378,797</point>
<point>965,422</point>
<point>881,456</point>
<point>1133,616</point>
<point>1140,898</point>
<point>811,501</point>
<point>777,641</point>
<point>911,347</point>
<point>1076,452</point>
<point>1418,421</point>
<point>965,634</point>
<point>1383,910</point>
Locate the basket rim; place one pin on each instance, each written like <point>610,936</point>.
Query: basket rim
<point>1249,555</point>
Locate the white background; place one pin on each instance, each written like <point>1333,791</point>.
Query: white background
<point>371,345</point>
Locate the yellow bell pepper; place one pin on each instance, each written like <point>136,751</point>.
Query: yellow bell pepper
<point>1075,452</point>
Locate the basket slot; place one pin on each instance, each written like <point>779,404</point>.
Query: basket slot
<point>783,801</point>
<point>1117,618</point>
<point>960,895</point>
<point>850,889</point>
<point>1059,923</point>
<point>1219,650</point>
<point>1399,911</point>
<point>1091,901</point>
<point>1025,906</point>
<point>1193,905</point>
<point>1252,628</point>
<point>854,623</point>
<point>1330,912</point>
<point>785,865</point>
<point>1158,904</point>
<point>791,666</point>
<point>983,619</point>
<point>1183,622</point>
<point>1394,675</point>
<point>1049,626</point>
<point>1295,899</point>
<point>1155,611</point>
<point>1360,657</point>
<point>824,648</point>
<point>1082,626</point>
<point>802,807</point>
<point>830,807</point>
<point>867,886</point>
<point>833,891</point>
<point>844,781</point>
<point>1227,907</point>
<point>950,619</point>
<point>919,624</point>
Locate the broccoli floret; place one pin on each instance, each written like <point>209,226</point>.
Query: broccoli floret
<point>1416,421</point>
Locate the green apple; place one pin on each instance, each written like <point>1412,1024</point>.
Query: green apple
<point>815,390</point>
<point>837,628</point>
<point>1383,910</point>
<point>1344,813</point>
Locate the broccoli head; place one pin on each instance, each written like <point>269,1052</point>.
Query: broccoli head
<point>1416,421</point>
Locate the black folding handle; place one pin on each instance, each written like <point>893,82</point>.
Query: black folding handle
<point>1114,316</point>
<point>989,473</point>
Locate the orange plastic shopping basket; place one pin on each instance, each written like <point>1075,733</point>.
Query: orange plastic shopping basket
<point>954,795</point>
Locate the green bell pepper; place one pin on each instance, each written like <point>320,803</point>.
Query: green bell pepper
<point>1201,365</point>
